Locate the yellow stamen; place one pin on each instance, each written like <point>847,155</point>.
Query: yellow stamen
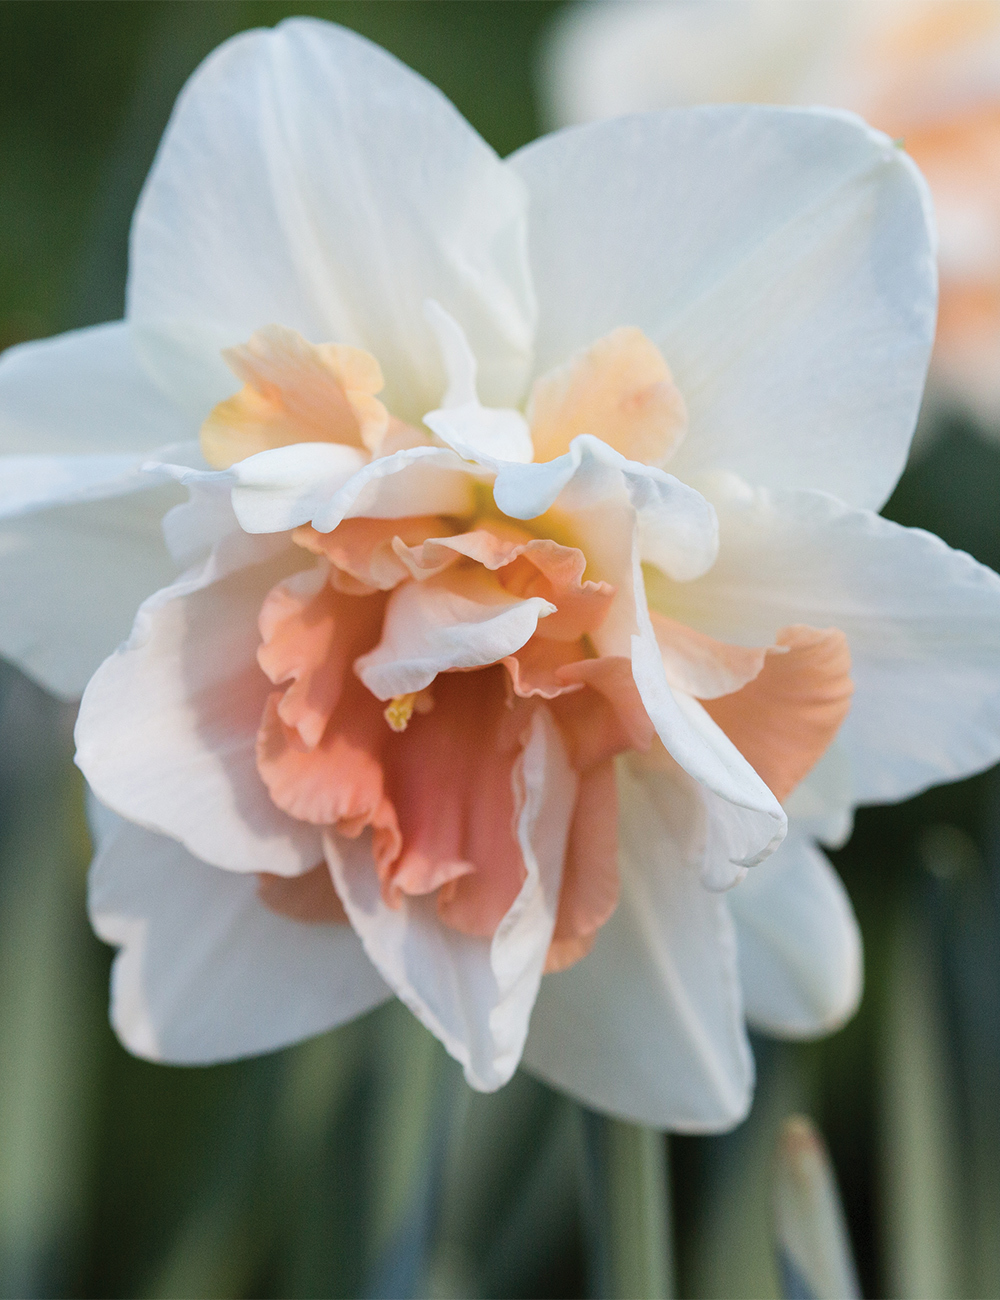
<point>400,708</point>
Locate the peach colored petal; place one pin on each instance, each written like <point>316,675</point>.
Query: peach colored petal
<point>605,719</point>
<point>295,391</point>
<point>449,776</point>
<point>310,898</point>
<point>311,634</point>
<point>340,781</point>
<point>701,666</point>
<point>786,718</point>
<point>620,390</point>
<point>362,551</point>
<point>533,668</point>
<point>590,875</point>
<point>525,566</point>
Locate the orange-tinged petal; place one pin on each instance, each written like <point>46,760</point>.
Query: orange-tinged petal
<point>589,892</point>
<point>786,718</point>
<point>620,390</point>
<point>310,898</point>
<point>295,391</point>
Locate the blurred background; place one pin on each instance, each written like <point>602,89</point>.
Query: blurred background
<point>359,1164</point>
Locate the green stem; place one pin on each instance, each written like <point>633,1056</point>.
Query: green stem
<point>631,1202</point>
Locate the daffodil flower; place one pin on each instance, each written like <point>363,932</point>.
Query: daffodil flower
<point>925,71</point>
<point>522,590</point>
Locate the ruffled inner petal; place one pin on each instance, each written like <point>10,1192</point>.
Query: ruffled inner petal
<point>525,566</point>
<point>784,720</point>
<point>461,618</point>
<point>311,635</point>
<point>449,776</point>
<point>362,551</point>
<point>606,719</point>
<point>589,891</point>
<point>295,391</point>
<point>620,390</point>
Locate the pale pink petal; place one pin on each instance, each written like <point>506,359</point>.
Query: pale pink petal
<point>784,720</point>
<point>461,618</point>
<point>701,666</point>
<point>619,389</point>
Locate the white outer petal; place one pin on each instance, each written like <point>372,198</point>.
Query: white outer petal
<point>72,579</point>
<point>206,972</point>
<point>781,259</point>
<point>84,393</point>
<point>475,995</point>
<point>649,1025</point>
<point>922,622</point>
<point>799,943</point>
<point>369,194</point>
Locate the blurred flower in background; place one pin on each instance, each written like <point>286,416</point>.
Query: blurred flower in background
<point>925,71</point>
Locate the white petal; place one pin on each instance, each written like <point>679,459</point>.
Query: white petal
<point>476,432</point>
<point>922,622</point>
<point>205,972</point>
<point>475,995</point>
<point>369,194</point>
<point>649,1025</point>
<point>84,393</point>
<point>324,483</point>
<point>167,727</point>
<point>799,944</point>
<point>747,822</point>
<point>282,488</point>
<point>780,258</point>
<point>461,619</point>
<point>72,579</point>
<point>677,527</point>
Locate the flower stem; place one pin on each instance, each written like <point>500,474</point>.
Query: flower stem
<point>630,1206</point>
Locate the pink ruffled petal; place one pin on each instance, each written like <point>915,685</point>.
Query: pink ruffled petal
<point>589,891</point>
<point>311,635</point>
<point>606,719</point>
<point>526,566</point>
<point>784,721</point>
<point>362,551</point>
<point>449,776</point>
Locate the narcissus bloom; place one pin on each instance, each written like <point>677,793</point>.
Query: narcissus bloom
<point>526,584</point>
<point>925,71</point>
